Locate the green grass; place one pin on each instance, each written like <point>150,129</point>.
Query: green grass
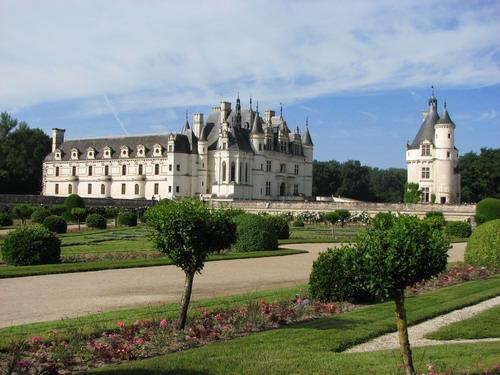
<point>315,347</point>
<point>47,269</point>
<point>483,325</point>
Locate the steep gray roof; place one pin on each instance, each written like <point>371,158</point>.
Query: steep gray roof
<point>426,130</point>
<point>445,119</point>
<point>257,125</point>
<point>306,137</point>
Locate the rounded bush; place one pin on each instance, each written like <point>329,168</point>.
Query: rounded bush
<point>483,248</point>
<point>95,221</point>
<point>253,233</point>
<point>39,215</point>
<point>487,209</point>
<point>280,226</point>
<point>55,224</point>
<point>458,229</point>
<point>299,223</point>
<point>74,201</point>
<point>57,209</point>
<point>128,219</point>
<point>5,219</point>
<point>32,244</point>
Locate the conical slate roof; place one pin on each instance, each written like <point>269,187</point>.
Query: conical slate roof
<point>445,119</point>
<point>306,137</point>
<point>426,130</point>
<point>256,126</point>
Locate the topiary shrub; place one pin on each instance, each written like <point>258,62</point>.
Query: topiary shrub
<point>280,226</point>
<point>487,209</point>
<point>483,248</point>
<point>55,224</point>
<point>435,219</point>
<point>458,229</point>
<point>74,201</point>
<point>95,221</point>
<point>253,233</point>
<point>23,211</point>
<point>5,219</point>
<point>33,244</point>
<point>57,209</point>
<point>39,215</point>
<point>127,218</point>
<point>299,223</point>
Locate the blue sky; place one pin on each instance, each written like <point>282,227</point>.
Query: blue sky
<point>361,71</point>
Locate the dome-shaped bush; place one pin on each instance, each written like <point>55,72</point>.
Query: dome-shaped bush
<point>483,248</point>
<point>55,224</point>
<point>254,233</point>
<point>95,221</point>
<point>57,209</point>
<point>280,226</point>
<point>487,209</point>
<point>128,219</point>
<point>32,244</point>
<point>39,215</point>
<point>73,201</point>
<point>458,229</point>
<point>5,219</point>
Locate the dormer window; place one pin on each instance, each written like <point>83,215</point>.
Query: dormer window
<point>124,152</point>
<point>106,152</point>
<point>57,154</point>
<point>157,150</point>
<point>170,148</point>
<point>90,153</point>
<point>426,149</point>
<point>141,151</point>
<point>74,154</point>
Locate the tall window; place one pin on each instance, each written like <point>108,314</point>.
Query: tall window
<point>157,169</point>
<point>57,171</point>
<point>425,194</point>
<point>295,189</point>
<point>140,169</point>
<point>156,188</point>
<point>70,189</point>
<point>178,168</point>
<point>268,165</point>
<point>57,188</point>
<point>103,189</point>
<point>73,171</point>
<point>296,170</point>
<point>426,150</point>
<point>283,168</point>
<point>223,171</point>
<point>124,170</point>
<point>170,189</point>
<point>106,170</point>
<point>170,167</point>
<point>136,189</point>
<point>233,171</point>
<point>177,189</point>
<point>89,188</point>
<point>246,172</point>
<point>268,187</point>
<point>123,189</point>
<point>90,170</point>
<point>426,172</point>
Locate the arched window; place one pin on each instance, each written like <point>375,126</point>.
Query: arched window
<point>223,171</point>
<point>233,171</point>
<point>246,172</point>
<point>136,189</point>
<point>103,189</point>
<point>70,189</point>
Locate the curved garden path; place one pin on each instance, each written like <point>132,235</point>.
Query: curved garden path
<point>417,332</point>
<point>50,297</point>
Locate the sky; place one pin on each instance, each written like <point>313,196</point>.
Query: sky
<point>360,71</point>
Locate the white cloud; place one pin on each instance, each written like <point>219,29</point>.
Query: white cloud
<point>159,54</point>
<point>487,115</point>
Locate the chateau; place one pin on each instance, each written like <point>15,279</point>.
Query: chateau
<point>233,154</point>
<point>432,157</point>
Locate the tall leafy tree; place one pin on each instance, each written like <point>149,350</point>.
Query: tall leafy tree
<point>480,175</point>
<point>22,151</point>
<point>355,181</point>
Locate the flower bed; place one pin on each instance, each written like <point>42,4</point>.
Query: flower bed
<point>115,255</point>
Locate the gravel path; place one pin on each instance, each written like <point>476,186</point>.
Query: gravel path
<point>50,297</point>
<point>417,332</point>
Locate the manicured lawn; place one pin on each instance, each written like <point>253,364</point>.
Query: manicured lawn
<point>315,347</point>
<point>483,325</point>
<point>323,233</point>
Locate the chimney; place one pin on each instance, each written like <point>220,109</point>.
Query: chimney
<point>198,124</point>
<point>225,108</point>
<point>268,115</point>
<point>57,138</point>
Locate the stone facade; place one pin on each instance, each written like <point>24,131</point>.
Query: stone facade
<point>234,154</point>
<point>432,157</point>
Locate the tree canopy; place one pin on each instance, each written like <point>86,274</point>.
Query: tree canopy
<point>480,175</point>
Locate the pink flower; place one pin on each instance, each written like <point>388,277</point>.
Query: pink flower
<point>35,339</point>
<point>120,324</point>
<point>163,323</point>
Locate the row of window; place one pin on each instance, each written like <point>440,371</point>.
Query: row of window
<point>140,170</point>
<point>124,152</point>
<point>232,172</point>
<point>156,188</point>
<point>282,168</point>
<point>426,151</point>
<point>282,189</point>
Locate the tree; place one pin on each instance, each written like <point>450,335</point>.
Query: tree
<point>395,253</point>
<point>332,217</point>
<point>112,213</point>
<point>343,215</point>
<point>355,181</point>
<point>387,185</point>
<point>412,193</point>
<point>187,231</point>
<point>480,175</point>
<point>23,211</point>
<point>79,213</point>
<point>22,151</point>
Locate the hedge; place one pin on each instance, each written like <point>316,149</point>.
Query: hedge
<point>458,229</point>
<point>55,224</point>
<point>253,233</point>
<point>487,209</point>
<point>39,215</point>
<point>5,219</point>
<point>280,226</point>
<point>95,221</point>
<point>127,218</point>
<point>483,248</point>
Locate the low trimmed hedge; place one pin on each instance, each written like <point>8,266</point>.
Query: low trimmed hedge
<point>299,223</point>
<point>96,221</point>
<point>280,226</point>
<point>30,245</point>
<point>127,218</point>
<point>483,248</point>
<point>55,224</point>
<point>253,233</point>
<point>5,219</point>
<point>39,215</point>
<point>458,229</point>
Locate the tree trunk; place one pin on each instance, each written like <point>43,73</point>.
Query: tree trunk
<point>78,224</point>
<point>186,297</point>
<point>333,233</point>
<point>404,342</point>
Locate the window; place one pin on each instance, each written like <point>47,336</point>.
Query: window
<point>283,168</point>
<point>426,150</point>
<point>426,172</point>
<point>123,189</point>
<point>89,188</point>
<point>233,171</point>
<point>425,194</point>
<point>448,154</point>
<point>90,170</point>
<point>177,189</point>
<point>170,189</point>
<point>103,189</point>
<point>268,187</point>
<point>124,170</point>
<point>140,169</point>
<point>90,154</point>
<point>156,188</point>
<point>57,171</point>
<point>70,189</point>
<point>260,146</point>
<point>224,145</point>
<point>170,148</point>
<point>136,189</point>
<point>58,156</point>
<point>268,165</point>
<point>57,188</point>
<point>295,189</point>
<point>73,171</point>
<point>449,135</point>
<point>106,170</point>
<point>296,170</point>
<point>223,171</point>
<point>246,172</point>
<point>178,167</point>
<point>170,167</point>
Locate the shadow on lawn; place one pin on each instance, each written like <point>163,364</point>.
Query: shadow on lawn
<point>137,371</point>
